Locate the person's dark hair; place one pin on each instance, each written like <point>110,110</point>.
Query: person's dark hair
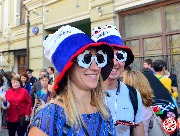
<point>128,68</point>
<point>24,74</point>
<point>9,74</point>
<point>52,69</point>
<point>43,76</point>
<point>149,62</point>
<point>158,65</point>
<point>62,84</point>
<point>1,80</point>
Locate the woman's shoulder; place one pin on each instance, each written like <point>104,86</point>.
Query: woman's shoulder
<point>49,116</point>
<point>52,107</point>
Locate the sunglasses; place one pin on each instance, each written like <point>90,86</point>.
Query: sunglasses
<point>85,59</point>
<point>121,56</point>
<point>28,72</point>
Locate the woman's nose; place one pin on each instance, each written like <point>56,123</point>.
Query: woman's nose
<point>94,66</point>
<point>115,61</point>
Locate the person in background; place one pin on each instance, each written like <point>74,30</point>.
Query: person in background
<point>25,81</point>
<point>50,71</point>
<point>3,106</point>
<point>79,108</point>
<point>20,106</point>
<point>6,85</point>
<point>14,74</point>
<point>160,68</point>
<point>43,95</point>
<point>128,68</point>
<point>174,84</point>
<point>37,86</point>
<point>148,64</point>
<point>124,110</point>
<point>32,79</point>
<point>140,82</point>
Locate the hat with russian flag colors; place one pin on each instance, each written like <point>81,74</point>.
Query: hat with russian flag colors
<point>110,35</point>
<point>69,44</point>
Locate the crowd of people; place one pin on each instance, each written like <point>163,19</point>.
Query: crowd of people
<point>94,93</point>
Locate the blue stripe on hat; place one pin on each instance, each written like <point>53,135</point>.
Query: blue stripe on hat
<point>63,53</point>
<point>112,39</point>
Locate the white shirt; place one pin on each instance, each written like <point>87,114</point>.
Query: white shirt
<point>125,109</point>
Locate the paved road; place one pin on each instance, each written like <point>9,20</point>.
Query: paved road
<point>4,132</point>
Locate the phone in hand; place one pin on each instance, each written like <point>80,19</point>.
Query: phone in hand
<point>38,99</point>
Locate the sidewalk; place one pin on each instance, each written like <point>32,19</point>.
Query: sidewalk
<point>3,132</point>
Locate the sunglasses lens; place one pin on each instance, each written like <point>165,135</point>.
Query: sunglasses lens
<point>120,56</point>
<point>87,58</point>
<point>100,58</point>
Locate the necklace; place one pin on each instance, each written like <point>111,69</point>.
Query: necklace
<point>116,99</point>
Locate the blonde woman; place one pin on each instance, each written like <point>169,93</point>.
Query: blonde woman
<point>140,82</point>
<point>79,108</point>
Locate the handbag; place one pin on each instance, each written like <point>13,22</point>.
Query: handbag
<point>23,121</point>
<point>156,129</point>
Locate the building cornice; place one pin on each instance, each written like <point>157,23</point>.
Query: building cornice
<point>33,4</point>
<point>127,4</point>
<point>95,4</point>
<point>70,19</point>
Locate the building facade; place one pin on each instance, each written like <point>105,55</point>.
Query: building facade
<point>149,27</point>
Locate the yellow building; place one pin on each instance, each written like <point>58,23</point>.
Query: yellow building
<point>149,27</point>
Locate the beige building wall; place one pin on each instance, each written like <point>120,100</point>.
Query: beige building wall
<point>48,14</point>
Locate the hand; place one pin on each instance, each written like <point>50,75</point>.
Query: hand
<point>40,102</point>
<point>2,99</point>
<point>3,88</point>
<point>27,117</point>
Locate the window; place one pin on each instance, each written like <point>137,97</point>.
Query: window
<point>153,32</point>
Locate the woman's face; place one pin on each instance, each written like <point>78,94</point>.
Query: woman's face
<point>23,79</point>
<point>85,78</point>
<point>15,84</point>
<point>44,82</point>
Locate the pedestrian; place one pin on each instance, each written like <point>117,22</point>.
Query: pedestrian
<point>6,85</point>
<point>160,68</point>
<point>6,103</point>
<point>162,99</point>
<point>42,96</point>
<point>37,86</point>
<point>79,108</point>
<point>20,108</point>
<point>148,64</point>
<point>140,82</point>
<point>32,79</point>
<point>124,101</point>
<point>51,73</point>
<point>25,81</point>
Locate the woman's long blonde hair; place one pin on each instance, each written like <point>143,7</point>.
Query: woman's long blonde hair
<point>140,82</point>
<point>70,105</point>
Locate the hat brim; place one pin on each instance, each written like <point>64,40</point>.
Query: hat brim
<point>105,71</point>
<point>130,55</point>
<point>29,70</point>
